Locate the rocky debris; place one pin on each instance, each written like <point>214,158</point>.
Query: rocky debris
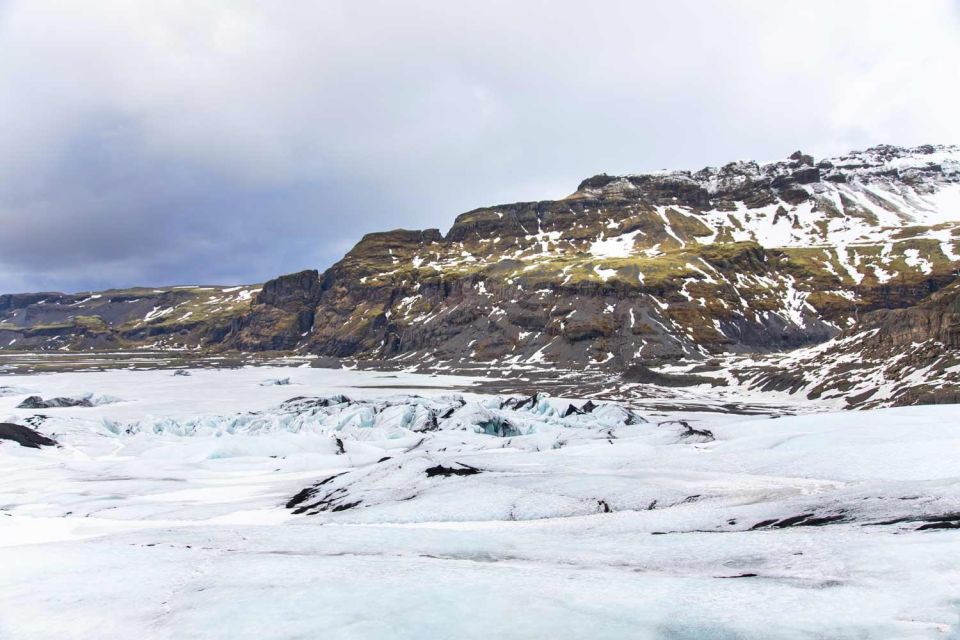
<point>181,372</point>
<point>645,375</point>
<point>296,502</point>
<point>446,472</point>
<point>24,436</point>
<point>689,433</point>
<point>802,520</point>
<point>326,362</point>
<point>517,404</point>
<point>36,402</point>
<point>930,521</point>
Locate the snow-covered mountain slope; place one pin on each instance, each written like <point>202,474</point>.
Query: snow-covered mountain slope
<point>212,505</point>
<point>744,258</point>
<point>853,199</point>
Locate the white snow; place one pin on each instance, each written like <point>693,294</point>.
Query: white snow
<point>913,259</point>
<point>620,246</point>
<point>162,516</point>
<point>604,274</point>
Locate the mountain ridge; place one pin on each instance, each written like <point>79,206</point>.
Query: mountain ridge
<point>613,239</point>
<point>652,268</point>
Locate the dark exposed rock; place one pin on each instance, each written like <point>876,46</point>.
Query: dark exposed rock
<point>794,195</point>
<point>931,521</point>
<point>802,520</point>
<point>585,408</point>
<point>297,501</point>
<point>281,314</point>
<point>36,402</point>
<point>446,472</point>
<point>291,292</point>
<point>940,525</point>
<point>936,318</point>
<point>691,434</point>
<point>300,497</point>
<point>24,436</point>
<point>807,176</point>
<point>522,403</point>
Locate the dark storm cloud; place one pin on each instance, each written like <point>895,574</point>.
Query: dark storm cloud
<point>182,142</point>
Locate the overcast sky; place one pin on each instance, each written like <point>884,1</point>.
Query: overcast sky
<point>182,142</point>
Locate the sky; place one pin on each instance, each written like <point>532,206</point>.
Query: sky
<point>225,142</point>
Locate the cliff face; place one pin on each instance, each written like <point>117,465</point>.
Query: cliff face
<point>160,318</point>
<point>935,319</point>
<point>674,264</point>
<point>283,316</point>
<point>742,258</point>
<point>890,357</point>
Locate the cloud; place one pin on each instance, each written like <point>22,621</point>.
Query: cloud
<point>213,141</point>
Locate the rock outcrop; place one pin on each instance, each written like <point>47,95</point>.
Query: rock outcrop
<point>24,436</point>
<point>281,316</point>
<point>890,357</point>
<point>160,318</point>
<point>745,258</point>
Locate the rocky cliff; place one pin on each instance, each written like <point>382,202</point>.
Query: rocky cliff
<point>745,258</point>
<point>890,357</point>
<point>161,318</point>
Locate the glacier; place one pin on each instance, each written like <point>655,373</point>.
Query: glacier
<point>354,504</point>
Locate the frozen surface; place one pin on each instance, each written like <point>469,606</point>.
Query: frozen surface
<point>421,510</point>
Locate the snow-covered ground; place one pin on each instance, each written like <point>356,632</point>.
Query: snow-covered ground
<point>164,514</point>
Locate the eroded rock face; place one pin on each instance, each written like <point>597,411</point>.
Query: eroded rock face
<point>187,316</point>
<point>935,319</point>
<point>743,258</point>
<point>282,314</point>
<point>890,357</point>
<point>635,268</point>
